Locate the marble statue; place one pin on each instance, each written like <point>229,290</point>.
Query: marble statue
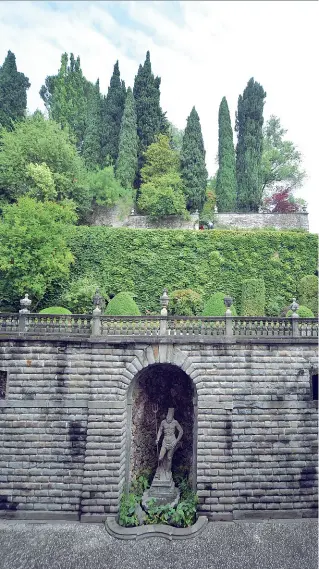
<point>168,426</point>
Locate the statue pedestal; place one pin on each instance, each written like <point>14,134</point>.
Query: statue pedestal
<point>164,492</point>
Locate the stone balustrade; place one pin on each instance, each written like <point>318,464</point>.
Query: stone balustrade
<point>181,326</point>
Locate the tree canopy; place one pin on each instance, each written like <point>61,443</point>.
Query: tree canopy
<point>226,184</point>
<point>193,167</point>
<point>13,92</point>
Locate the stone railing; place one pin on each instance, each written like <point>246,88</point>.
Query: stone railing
<point>180,326</point>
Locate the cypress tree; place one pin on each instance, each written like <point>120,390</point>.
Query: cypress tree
<point>13,92</point>
<point>226,185</point>
<point>91,150</point>
<point>126,164</point>
<point>151,120</point>
<point>112,112</point>
<point>249,123</point>
<point>194,173</point>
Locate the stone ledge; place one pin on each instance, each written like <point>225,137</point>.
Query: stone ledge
<point>39,515</point>
<point>249,515</point>
<point>156,530</point>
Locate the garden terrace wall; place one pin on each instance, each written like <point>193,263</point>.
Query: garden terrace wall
<point>64,429</point>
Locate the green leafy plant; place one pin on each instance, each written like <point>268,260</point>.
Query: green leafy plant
<point>215,306</point>
<point>185,302</point>
<point>140,484</point>
<point>55,310</point>
<point>127,515</point>
<point>122,305</point>
<point>308,292</point>
<point>303,312</point>
<point>253,298</point>
<point>79,295</point>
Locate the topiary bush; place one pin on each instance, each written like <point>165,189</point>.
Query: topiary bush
<point>55,310</point>
<point>303,312</point>
<point>253,297</point>
<point>122,304</point>
<point>215,306</point>
<point>185,302</point>
<point>308,292</point>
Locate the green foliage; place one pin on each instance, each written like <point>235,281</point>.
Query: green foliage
<point>66,97</point>
<point>151,120</point>
<point>140,484</point>
<point>208,212</point>
<point>275,305</point>
<point>160,159</point>
<point>122,305</point>
<point>226,184</point>
<point>194,173</point>
<point>127,516</point>
<point>253,297</point>
<point>39,156</point>
<point>215,306</point>
<point>185,302</point>
<point>55,310</point>
<point>33,248</point>
<point>126,164</point>
<point>249,123</point>
<point>144,261</point>
<point>13,92</point>
<point>175,137</point>
<point>91,149</point>
<point>105,189</point>
<point>281,161</point>
<point>79,294</point>
<point>163,196</point>
<point>303,312</point>
<point>308,292</point>
<point>112,111</point>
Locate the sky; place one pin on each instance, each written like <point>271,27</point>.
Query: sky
<point>202,50</point>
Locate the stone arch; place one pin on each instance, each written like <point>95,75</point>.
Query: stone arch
<point>153,357</point>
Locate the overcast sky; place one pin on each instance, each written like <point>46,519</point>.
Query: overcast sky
<point>201,50</point>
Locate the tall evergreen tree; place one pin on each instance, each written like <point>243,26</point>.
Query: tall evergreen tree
<point>226,184</point>
<point>66,97</point>
<point>91,150</point>
<point>249,123</point>
<point>13,92</point>
<point>126,164</point>
<point>194,173</point>
<point>112,112</point>
<point>151,120</point>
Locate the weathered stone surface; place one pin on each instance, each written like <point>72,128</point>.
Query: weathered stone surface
<point>63,425</point>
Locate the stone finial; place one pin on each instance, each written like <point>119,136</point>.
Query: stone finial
<point>132,211</point>
<point>215,209</point>
<point>294,307</point>
<point>228,301</point>
<point>25,303</point>
<point>164,299</point>
<point>98,301</point>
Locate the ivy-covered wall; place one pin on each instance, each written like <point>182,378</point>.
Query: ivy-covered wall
<point>145,261</point>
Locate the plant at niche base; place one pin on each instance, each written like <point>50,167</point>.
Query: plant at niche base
<point>183,515</point>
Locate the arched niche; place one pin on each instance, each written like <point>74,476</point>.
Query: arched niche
<point>158,387</point>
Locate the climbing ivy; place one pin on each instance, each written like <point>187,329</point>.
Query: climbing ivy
<point>145,261</point>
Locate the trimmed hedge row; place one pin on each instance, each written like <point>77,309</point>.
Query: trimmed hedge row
<point>145,261</point>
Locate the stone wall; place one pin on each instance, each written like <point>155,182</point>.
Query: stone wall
<point>112,218</point>
<point>65,426</point>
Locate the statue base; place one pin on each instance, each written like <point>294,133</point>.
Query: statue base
<point>163,491</point>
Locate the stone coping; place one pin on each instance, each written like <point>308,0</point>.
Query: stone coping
<point>156,530</point>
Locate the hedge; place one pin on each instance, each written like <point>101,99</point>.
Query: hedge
<point>308,292</point>
<point>253,298</point>
<point>55,310</point>
<point>144,261</point>
<point>215,306</point>
<point>122,305</point>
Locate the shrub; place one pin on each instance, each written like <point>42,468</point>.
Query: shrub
<point>308,292</point>
<point>122,304</point>
<point>303,311</point>
<point>215,306</point>
<point>185,302</point>
<point>253,297</point>
<point>163,196</point>
<point>55,310</point>
<point>79,296</point>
